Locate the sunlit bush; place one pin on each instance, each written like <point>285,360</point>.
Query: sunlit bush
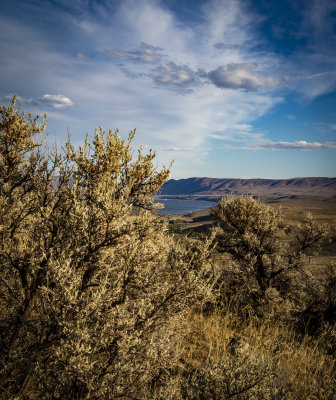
<point>91,285</point>
<point>99,301</point>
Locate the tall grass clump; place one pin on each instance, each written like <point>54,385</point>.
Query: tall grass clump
<point>230,355</point>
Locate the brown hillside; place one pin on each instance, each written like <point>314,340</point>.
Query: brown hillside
<point>214,187</point>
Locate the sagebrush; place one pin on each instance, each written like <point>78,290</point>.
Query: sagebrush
<point>101,299</point>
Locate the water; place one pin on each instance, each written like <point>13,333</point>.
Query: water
<point>178,206</point>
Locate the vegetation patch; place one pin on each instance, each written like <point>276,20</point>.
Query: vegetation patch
<point>101,299</point>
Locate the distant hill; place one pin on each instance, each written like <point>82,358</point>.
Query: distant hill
<point>215,188</point>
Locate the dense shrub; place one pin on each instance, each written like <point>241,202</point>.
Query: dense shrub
<point>253,234</point>
<point>176,225</point>
<point>91,286</point>
<point>99,301</point>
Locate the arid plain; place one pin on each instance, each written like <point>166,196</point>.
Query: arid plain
<point>295,197</point>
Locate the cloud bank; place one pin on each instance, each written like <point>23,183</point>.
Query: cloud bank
<point>297,145</point>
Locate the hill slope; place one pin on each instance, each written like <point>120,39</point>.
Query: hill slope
<point>215,187</point>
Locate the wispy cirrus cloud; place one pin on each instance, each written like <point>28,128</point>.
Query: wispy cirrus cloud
<point>145,53</point>
<point>318,20</point>
<point>226,46</point>
<point>20,99</point>
<point>178,149</point>
<point>182,84</point>
<point>297,145</point>
<point>314,66</point>
<point>80,55</point>
<point>309,85</point>
<point>323,127</point>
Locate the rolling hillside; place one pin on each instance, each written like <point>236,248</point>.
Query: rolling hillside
<point>215,188</point>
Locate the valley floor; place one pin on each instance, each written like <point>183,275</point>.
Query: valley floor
<point>294,209</point>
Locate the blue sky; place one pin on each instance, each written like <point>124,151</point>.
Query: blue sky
<point>226,88</point>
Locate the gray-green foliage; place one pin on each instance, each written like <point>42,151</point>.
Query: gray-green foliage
<point>253,234</point>
<point>98,301</point>
<point>91,286</point>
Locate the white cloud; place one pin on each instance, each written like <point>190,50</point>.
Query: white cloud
<point>173,149</point>
<point>86,26</point>
<point>159,53</point>
<point>322,127</point>
<point>313,66</point>
<point>146,21</point>
<point>144,53</point>
<point>318,24</point>
<point>80,55</point>
<point>56,100</point>
<point>105,96</point>
<point>19,99</point>
<point>311,86</point>
<point>239,133</point>
<point>226,46</point>
<point>241,76</point>
<point>229,21</point>
<point>297,145</point>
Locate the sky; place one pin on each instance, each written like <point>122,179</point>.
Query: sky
<point>225,88</point>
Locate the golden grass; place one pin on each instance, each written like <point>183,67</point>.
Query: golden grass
<point>264,355</point>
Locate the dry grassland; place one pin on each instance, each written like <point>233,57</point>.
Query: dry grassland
<point>294,210</point>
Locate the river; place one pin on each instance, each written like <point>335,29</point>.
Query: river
<point>179,206</point>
